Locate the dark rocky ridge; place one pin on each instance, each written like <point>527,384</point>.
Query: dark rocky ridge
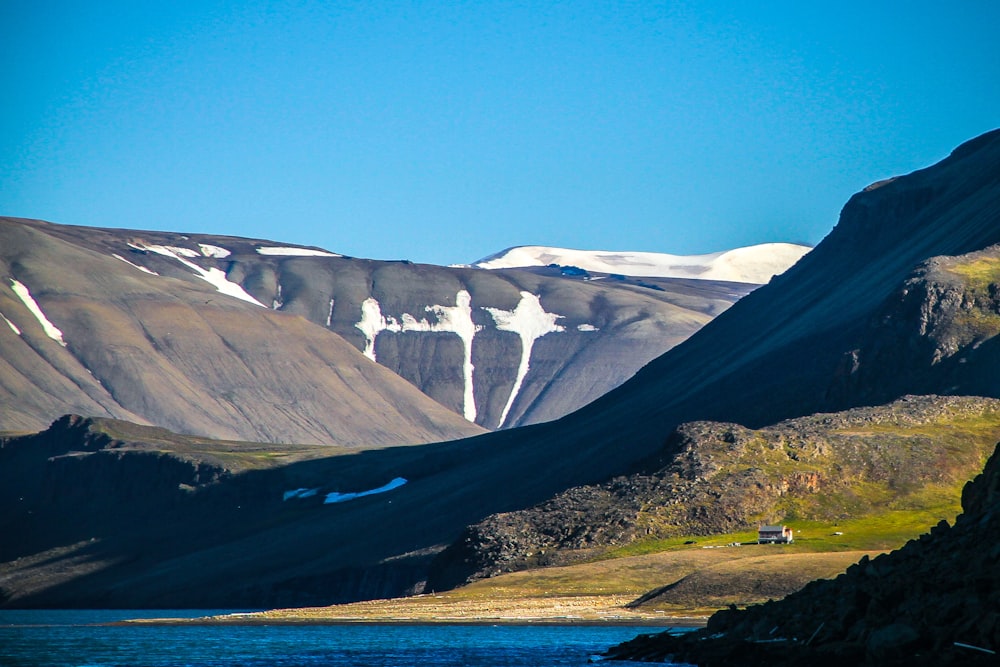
<point>927,603</point>
<point>714,478</point>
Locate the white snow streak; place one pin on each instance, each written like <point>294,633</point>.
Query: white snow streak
<point>50,329</point>
<point>11,325</point>
<point>141,268</point>
<point>458,319</point>
<point>209,250</point>
<point>329,315</point>
<point>335,497</point>
<point>529,321</point>
<point>455,319</point>
<point>372,324</point>
<point>586,327</point>
<point>177,250</point>
<point>213,276</point>
<point>295,252</point>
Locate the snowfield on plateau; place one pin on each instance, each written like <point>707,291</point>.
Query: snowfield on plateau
<point>755,264</point>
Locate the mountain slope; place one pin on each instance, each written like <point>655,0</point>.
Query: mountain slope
<point>85,332</point>
<point>713,478</point>
<point>499,348</point>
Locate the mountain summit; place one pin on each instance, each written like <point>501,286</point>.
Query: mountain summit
<point>753,264</point>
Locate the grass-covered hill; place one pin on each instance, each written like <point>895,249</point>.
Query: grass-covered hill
<point>933,602</point>
<point>912,455</point>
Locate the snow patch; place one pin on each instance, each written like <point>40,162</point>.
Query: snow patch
<point>295,252</point>
<point>209,250</point>
<point>299,493</point>
<point>336,497</point>
<point>586,327</point>
<point>141,268</point>
<point>372,324</point>
<point>455,319</point>
<point>215,277</point>
<point>277,302</point>
<point>329,315</point>
<point>12,326</point>
<point>171,249</point>
<point>529,321</point>
<point>458,319</point>
<point>50,329</point>
<point>753,264</point>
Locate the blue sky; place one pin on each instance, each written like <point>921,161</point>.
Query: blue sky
<point>445,131</point>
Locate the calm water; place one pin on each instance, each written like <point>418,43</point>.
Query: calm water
<point>67,638</point>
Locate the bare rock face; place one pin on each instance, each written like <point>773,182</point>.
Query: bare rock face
<point>936,601</point>
<point>936,333</point>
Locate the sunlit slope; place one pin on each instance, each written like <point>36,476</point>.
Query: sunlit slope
<point>499,348</point>
<point>180,354</point>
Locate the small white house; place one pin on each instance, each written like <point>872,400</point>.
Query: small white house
<point>774,535</point>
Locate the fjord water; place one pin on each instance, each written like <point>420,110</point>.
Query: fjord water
<point>76,638</point>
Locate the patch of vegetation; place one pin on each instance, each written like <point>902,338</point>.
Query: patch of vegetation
<point>888,473</point>
<point>979,273</point>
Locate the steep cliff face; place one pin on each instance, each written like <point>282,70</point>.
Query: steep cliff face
<point>936,333</point>
<point>936,601</point>
<point>714,478</point>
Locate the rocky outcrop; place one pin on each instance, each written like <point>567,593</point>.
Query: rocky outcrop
<point>936,601</point>
<point>936,333</point>
<point>713,478</point>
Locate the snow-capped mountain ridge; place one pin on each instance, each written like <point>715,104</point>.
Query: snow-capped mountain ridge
<point>751,264</point>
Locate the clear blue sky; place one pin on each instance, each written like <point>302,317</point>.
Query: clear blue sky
<point>445,131</point>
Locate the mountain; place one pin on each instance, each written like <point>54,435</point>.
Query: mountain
<point>932,602</point>
<point>781,352</point>
<point>172,343</point>
<point>752,264</point>
<point>161,328</point>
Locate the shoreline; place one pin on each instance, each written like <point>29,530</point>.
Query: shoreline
<point>456,609</point>
<point>666,622</point>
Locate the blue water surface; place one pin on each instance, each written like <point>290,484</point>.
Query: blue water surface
<point>70,639</point>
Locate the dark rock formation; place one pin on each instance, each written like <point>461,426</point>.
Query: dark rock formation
<point>937,332</point>
<point>934,602</point>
